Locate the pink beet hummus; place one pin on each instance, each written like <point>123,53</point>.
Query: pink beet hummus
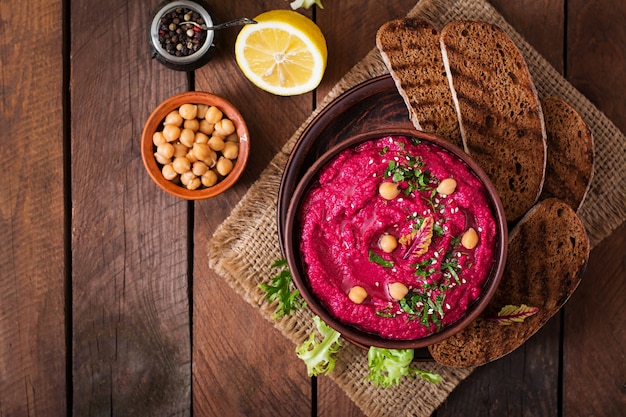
<point>344,216</point>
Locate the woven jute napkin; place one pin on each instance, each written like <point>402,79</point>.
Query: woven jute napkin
<point>245,245</point>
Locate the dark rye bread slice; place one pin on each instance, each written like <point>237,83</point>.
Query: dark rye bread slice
<point>547,253</point>
<point>410,49</point>
<point>569,169</point>
<point>498,109</point>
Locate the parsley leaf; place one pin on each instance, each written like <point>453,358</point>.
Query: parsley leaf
<point>379,260</point>
<point>280,289</point>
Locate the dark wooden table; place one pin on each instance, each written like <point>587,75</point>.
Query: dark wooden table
<point>107,303</point>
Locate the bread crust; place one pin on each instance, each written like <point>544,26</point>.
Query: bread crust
<point>547,254</point>
<point>499,113</point>
<point>410,49</point>
<point>571,154</point>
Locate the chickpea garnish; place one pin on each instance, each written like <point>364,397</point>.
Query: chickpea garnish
<point>397,290</point>
<point>387,243</point>
<point>388,190</point>
<point>357,294</point>
<point>470,238</point>
<point>447,186</point>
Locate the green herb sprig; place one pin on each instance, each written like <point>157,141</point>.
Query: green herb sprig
<point>280,289</point>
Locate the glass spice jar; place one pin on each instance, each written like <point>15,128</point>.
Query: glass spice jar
<point>178,35</point>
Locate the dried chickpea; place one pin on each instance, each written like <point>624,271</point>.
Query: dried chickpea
<point>199,168</point>
<point>202,108</point>
<point>224,166</point>
<point>192,124</point>
<point>213,114</point>
<point>224,127</point>
<point>173,118</point>
<point>357,294</point>
<point>388,243</point>
<point>206,127</point>
<point>188,111</point>
<point>397,290</point>
<point>201,151</point>
<point>158,139</point>
<point>231,150</point>
<point>187,137</point>
<point>197,146</point>
<point>171,132</point>
<point>233,137</point>
<point>166,150</point>
<point>194,184</point>
<point>168,172</point>
<point>388,190</point>
<point>161,159</point>
<point>216,143</point>
<point>180,149</point>
<point>209,178</point>
<point>447,186</point>
<point>181,164</point>
<point>201,137</point>
<point>470,238</point>
<point>186,177</point>
<point>211,160</point>
<point>190,156</point>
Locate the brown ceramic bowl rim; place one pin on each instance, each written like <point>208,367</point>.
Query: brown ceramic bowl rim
<point>155,120</point>
<point>350,332</point>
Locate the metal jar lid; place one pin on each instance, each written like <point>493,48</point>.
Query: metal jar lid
<point>193,60</point>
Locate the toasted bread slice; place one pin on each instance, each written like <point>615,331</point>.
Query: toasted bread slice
<point>410,49</point>
<point>498,109</point>
<point>569,169</point>
<point>547,253</point>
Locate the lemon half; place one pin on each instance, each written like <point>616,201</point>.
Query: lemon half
<point>284,53</point>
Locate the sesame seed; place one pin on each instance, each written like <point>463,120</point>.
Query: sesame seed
<point>447,306</point>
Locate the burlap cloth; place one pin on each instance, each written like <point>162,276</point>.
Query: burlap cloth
<point>245,245</point>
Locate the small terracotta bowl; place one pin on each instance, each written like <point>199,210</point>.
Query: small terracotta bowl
<point>292,237</point>
<point>155,123</point>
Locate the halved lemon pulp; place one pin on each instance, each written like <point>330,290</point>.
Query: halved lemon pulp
<point>284,53</point>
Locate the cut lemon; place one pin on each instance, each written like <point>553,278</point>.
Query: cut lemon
<point>284,53</point>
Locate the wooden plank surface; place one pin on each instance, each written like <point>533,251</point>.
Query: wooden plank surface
<point>131,351</point>
<point>32,265</point>
<point>107,303</point>
<point>594,351</point>
<point>243,366</point>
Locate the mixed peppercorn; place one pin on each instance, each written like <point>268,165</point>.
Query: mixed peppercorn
<point>182,32</point>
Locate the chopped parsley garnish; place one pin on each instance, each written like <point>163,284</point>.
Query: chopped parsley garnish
<point>410,172</point>
<point>379,260</point>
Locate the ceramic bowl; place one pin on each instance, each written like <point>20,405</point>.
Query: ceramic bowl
<point>154,123</point>
<point>292,236</point>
